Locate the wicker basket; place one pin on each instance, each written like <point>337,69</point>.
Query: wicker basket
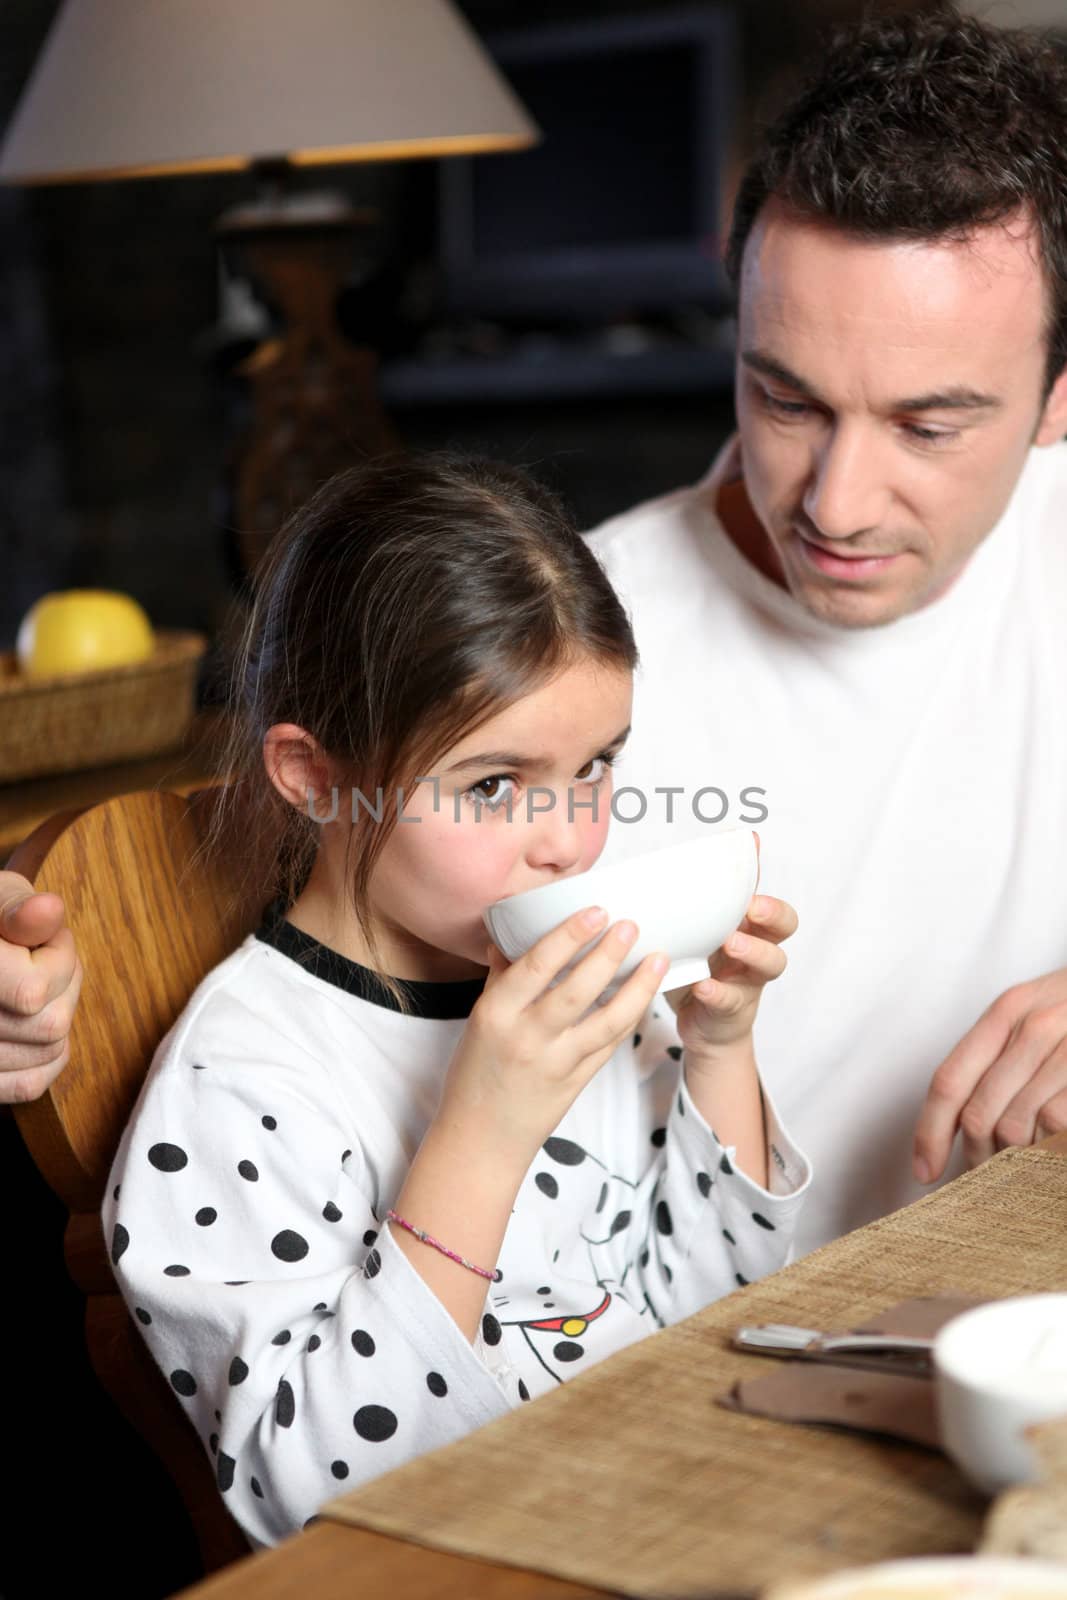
<point>91,719</point>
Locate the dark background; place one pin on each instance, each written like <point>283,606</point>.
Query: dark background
<point>115,427</point>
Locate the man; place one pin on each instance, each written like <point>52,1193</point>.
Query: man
<point>862,611</point>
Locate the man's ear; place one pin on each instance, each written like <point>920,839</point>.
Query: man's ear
<point>1053,424</point>
<point>296,765</point>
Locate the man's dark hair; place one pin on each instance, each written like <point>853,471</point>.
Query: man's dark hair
<point>925,127</point>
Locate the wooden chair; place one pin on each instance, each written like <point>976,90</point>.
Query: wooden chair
<point>149,921</point>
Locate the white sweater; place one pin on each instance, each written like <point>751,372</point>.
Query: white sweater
<point>245,1206</point>
<point>916,785</point>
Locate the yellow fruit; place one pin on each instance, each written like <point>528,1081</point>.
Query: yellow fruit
<point>82,630</point>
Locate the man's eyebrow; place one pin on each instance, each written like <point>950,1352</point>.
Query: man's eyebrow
<point>759,362</point>
<point>957,397</point>
<point>511,758</point>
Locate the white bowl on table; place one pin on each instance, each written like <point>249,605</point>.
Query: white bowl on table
<point>935,1578</point>
<point>998,1369</point>
<point>685,899</point>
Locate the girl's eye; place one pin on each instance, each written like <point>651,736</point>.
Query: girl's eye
<point>492,791</point>
<point>594,771</point>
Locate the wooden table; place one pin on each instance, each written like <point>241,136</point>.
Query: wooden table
<point>332,1561</point>
<point>25,804</point>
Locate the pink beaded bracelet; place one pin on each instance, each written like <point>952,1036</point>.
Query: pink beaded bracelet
<point>428,1238</point>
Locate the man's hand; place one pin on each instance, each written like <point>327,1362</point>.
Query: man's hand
<point>1004,1084</point>
<point>40,980</point>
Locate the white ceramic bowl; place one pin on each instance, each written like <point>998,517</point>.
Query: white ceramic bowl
<point>936,1578</point>
<point>999,1368</point>
<point>685,899</point>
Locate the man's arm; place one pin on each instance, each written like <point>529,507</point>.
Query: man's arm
<point>1004,1084</point>
<point>40,980</point>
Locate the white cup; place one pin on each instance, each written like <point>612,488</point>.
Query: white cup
<point>686,899</point>
<point>999,1368</point>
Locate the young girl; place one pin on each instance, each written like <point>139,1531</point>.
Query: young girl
<point>373,1194</point>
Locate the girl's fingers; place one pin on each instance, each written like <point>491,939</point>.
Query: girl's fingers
<point>580,989</point>
<point>755,961</point>
<point>771,919</point>
<point>610,1023</point>
<point>528,977</point>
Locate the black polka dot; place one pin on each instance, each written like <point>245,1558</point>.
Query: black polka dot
<point>248,1171</point>
<point>238,1371</point>
<point>269,1123</point>
<point>546,1288</point>
<point>491,1329</point>
<point>236,1283</point>
<point>547,1184</point>
<point>176,1271</point>
<point>370,1236</point>
<point>704,1184</point>
<point>728,1236</point>
<point>282,1338</point>
<point>524,1393</point>
<point>213,1443</point>
<point>256,1490</point>
<point>659,1137</point>
<point>320,1305</point>
<point>663,1217</point>
<point>289,1246</point>
<point>339,1469</point>
<point>168,1157</point>
<point>681,1104</point>
<point>284,1405</point>
<point>198,1066</point>
<point>206,1216</point>
<point>667,1273</point>
<point>743,1281</point>
<point>644,1258</point>
<point>218,1416</point>
<point>224,1474</point>
<point>362,1343</point>
<point>675,1052</point>
<point>183,1382</point>
<point>375,1423</point>
<point>115,1191</point>
<point>330,1212</point>
<point>637,1040</point>
<point>602,1198</point>
<point>120,1241</point>
<point>565,1151</point>
<point>567,1350</point>
<point>373,1264</point>
<point>724,1166</point>
<point>143,1317</point>
<point>620,1221</point>
<point>313,1344</point>
<point>345,1156</point>
<point>436,1384</point>
<point>761,1222</point>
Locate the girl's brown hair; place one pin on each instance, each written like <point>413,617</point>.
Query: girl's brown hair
<point>412,598</point>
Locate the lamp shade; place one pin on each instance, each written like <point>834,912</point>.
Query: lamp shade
<point>131,88</point>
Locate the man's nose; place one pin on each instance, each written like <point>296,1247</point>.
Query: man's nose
<point>847,490</point>
<point>555,833</point>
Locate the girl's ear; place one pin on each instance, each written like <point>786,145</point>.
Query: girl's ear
<point>1053,424</point>
<point>297,765</point>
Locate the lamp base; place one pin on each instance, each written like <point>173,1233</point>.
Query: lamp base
<point>315,406</point>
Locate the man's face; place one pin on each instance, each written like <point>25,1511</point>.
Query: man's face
<point>888,394</point>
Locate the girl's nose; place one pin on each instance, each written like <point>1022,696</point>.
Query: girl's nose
<point>555,837</point>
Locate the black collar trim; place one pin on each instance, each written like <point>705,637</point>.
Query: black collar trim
<point>443,1002</point>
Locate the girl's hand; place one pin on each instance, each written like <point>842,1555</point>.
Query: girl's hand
<point>718,1013</point>
<point>527,1050</point>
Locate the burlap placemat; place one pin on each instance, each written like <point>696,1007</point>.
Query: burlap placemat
<point>633,1479</point>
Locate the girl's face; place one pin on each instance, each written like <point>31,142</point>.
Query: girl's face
<point>518,802</point>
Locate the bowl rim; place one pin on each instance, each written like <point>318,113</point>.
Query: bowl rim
<point>948,1361</point>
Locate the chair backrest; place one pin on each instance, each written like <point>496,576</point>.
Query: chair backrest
<point>150,918</point>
